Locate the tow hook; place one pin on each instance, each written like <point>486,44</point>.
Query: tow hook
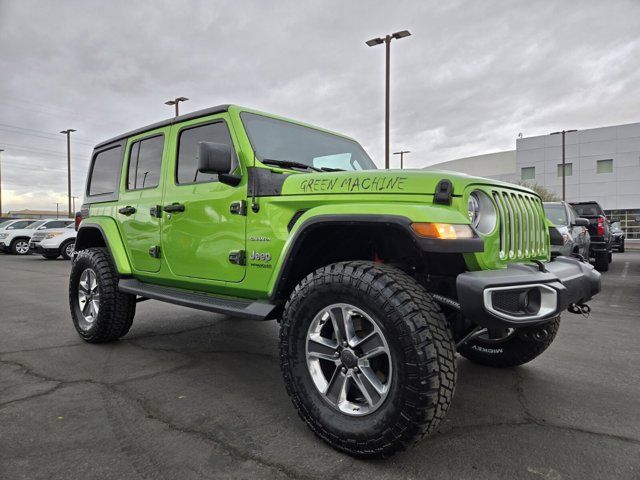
<point>580,309</point>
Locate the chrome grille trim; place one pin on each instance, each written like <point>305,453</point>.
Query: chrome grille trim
<point>522,228</point>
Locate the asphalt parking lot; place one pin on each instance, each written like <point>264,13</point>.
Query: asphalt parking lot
<point>188,394</point>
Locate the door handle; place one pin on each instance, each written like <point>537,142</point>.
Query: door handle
<point>128,210</point>
<point>175,207</point>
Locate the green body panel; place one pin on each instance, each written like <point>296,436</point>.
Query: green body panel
<point>102,217</point>
<point>196,243</point>
<point>141,231</point>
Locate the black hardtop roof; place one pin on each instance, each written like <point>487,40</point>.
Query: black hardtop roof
<point>170,121</point>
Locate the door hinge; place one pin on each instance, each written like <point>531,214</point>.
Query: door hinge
<point>156,211</point>
<point>155,251</point>
<point>238,257</point>
<point>238,208</point>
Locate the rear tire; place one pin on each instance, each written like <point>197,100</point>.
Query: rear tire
<point>519,348</point>
<point>418,345</point>
<point>100,312</point>
<point>602,261</point>
<point>621,247</point>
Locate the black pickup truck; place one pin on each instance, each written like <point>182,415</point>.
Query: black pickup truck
<point>600,232</point>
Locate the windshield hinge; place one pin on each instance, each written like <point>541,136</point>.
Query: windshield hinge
<point>444,192</point>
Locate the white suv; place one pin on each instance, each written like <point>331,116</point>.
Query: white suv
<point>16,240</point>
<point>53,243</point>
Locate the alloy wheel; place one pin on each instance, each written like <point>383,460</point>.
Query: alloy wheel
<point>348,359</point>
<point>22,247</point>
<point>88,298</point>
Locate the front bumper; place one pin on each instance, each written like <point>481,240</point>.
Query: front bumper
<point>524,295</point>
<point>39,248</point>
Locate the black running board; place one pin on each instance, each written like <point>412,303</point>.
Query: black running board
<point>254,310</point>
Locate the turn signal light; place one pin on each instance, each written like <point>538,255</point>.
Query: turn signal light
<point>445,231</point>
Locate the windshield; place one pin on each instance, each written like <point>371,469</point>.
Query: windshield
<point>556,213</point>
<point>6,223</point>
<point>284,141</point>
<point>36,225</point>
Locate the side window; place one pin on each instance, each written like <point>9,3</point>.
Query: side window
<point>187,168</point>
<point>19,225</point>
<point>57,224</point>
<point>105,172</point>
<point>145,161</point>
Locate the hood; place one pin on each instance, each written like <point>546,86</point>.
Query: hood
<point>383,181</point>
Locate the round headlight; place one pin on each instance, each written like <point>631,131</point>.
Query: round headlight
<point>482,212</point>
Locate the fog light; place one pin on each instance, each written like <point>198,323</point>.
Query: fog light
<point>523,302</point>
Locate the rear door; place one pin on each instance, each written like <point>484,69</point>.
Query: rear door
<point>202,231</point>
<point>140,197</point>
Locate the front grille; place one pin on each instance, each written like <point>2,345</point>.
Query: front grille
<point>522,227</point>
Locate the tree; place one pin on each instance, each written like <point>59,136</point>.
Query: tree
<point>545,194</point>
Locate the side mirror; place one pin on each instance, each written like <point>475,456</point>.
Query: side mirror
<point>215,158</point>
<point>581,222</point>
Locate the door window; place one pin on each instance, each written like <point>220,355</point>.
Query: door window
<point>105,172</point>
<point>145,161</point>
<point>187,168</point>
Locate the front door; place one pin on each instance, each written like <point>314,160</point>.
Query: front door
<point>199,230</point>
<point>141,194</point>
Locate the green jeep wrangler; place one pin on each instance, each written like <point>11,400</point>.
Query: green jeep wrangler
<point>377,277</point>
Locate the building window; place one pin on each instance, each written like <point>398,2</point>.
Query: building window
<point>604,166</point>
<point>528,173</point>
<point>568,169</point>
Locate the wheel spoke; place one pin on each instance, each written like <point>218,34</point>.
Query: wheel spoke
<point>86,308</point>
<point>371,379</point>
<point>93,284</point>
<point>337,388</point>
<point>94,307</point>
<point>371,345</point>
<point>370,392</point>
<point>319,347</point>
<point>342,324</point>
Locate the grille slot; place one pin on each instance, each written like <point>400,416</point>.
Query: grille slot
<point>522,228</point>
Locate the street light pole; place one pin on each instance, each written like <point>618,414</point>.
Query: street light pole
<point>67,132</point>
<point>175,102</point>
<point>401,153</point>
<point>387,101</point>
<point>564,163</point>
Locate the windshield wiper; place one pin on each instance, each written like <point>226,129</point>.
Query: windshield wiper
<point>289,164</point>
<point>329,169</point>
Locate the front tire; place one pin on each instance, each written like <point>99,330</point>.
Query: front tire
<point>20,246</point>
<point>519,347</point>
<point>621,247</point>
<point>391,382</point>
<point>100,312</point>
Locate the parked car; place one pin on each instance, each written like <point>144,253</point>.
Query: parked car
<point>16,240</point>
<point>377,277</point>
<point>575,235</point>
<point>52,243</point>
<point>600,232</point>
<point>618,235</point>
<point>15,223</point>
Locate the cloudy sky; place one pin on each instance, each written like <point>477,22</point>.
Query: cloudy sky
<point>470,78</point>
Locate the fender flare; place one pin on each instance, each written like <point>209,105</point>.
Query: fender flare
<point>398,222</point>
<point>109,236</point>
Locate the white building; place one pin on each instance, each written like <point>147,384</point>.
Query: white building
<point>602,164</point>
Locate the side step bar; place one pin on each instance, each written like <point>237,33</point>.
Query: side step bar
<point>254,310</point>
